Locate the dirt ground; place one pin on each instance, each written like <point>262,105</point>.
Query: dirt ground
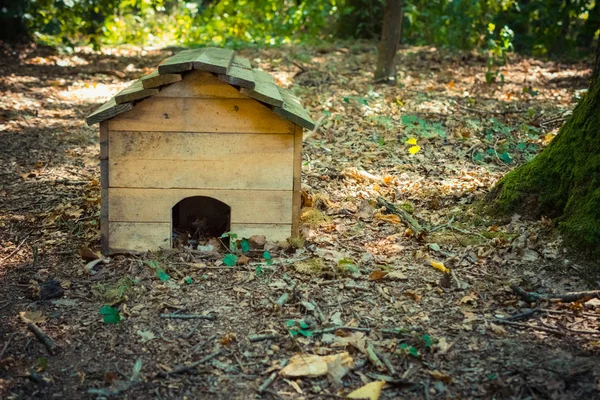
<point>431,311</point>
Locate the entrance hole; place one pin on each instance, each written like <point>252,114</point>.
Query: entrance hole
<point>197,219</point>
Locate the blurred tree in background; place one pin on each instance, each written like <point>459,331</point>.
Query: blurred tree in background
<point>540,27</point>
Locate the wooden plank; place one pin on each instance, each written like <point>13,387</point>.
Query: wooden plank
<point>155,80</point>
<point>239,73</point>
<point>293,111</point>
<point>139,236</point>
<point>107,110</point>
<point>169,114</point>
<point>273,232</point>
<point>104,237</point>
<point>265,89</point>
<point>197,146</point>
<point>251,171</point>
<point>155,205</point>
<point>214,59</point>
<point>180,62</point>
<point>297,186</point>
<point>201,84</point>
<point>134,92</point>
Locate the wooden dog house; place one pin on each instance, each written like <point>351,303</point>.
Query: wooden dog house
<point>203,139</point>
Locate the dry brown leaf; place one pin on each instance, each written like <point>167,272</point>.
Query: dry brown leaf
<point>377,275</point>
<point>370,391</point>
<point>361,176</point>
<point>312,365</point>
<point>397,275</point>
<point>87,254</point>
<point>440,376</point>
<point>411,293</point>
<point>497,329</point>
<point>391,218</point>
<point>32,317</point>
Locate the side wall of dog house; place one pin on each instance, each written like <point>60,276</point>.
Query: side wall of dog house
<point>198,137</point>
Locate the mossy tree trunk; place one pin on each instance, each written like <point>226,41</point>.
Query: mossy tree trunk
<point>563,181</point>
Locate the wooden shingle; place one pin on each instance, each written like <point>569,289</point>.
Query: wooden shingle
<point>180,62</point>
<point>265,89</point>
<point>239,73</point>
<point>214,60</point>
<point>293,111</point>
<point>155,80</point>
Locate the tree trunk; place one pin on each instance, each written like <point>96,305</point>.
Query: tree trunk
<point>390,39</point>
<point>563,181</point>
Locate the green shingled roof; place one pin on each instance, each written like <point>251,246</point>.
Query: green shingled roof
<point>228,66</point>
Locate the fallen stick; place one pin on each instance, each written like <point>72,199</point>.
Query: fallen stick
<point>185,368</point>
<point>43,337</point>
<point>188,316</point>
<point>539,328</point>
<point>271,378</point>
<point>386,362</point>
<point>260,338</point>
<point>344,328</point>
<point>408,219</point>
<point>10,337</point>
<point>566,297</point>
<point>372,356</point>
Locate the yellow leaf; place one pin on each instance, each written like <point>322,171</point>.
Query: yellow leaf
<point>414,149</point>
<point>440,376</point>
<point>391,218</point>
<point>439,266</point>
<point>32,317</point>
<point>377,275</point>
<point>369,391</point>
<point>411,140</point>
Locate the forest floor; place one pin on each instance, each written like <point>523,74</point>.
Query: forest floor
<point>428,309</point>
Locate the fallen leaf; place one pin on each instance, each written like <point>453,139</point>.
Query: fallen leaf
<point>497,329</point>
<point>377,275</point>
<point>370,391</point>
<point>411,293</point>
<point>312,365</point>
<point>439,266</point>
<point>32,317</point>
<point>470,298</point>
<point>87,254</point>
<point>146,335</point>
<point>397,275</point>
<point>391,218</point>
<point>440,376</point>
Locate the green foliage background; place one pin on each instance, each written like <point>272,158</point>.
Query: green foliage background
<point>541,27</point>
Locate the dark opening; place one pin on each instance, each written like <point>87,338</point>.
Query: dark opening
<point>197,219</point>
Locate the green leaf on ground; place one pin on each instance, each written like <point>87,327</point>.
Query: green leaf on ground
<point>230,260</point>
<point>110,314</point>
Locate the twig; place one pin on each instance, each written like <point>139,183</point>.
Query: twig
<point>189,316</point>
<point>539,328</point>
<point>566,297</point>
<point>43,337</point>
<point>191,333</point>
<point>386,362</point>
<point>260,338</point>
<point>343,328</point>
<point>482,111</point>
<point>372,356</point>
<point>405,216</point>
<point>185,368</point>
<point>524,315</point>
<point>15,250</point>
<point>271,378</point>
<point>199,346</point>
<point>10,337</point>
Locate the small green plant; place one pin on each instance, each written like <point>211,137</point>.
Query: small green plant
<point>415,126</point>
<point>498,49</point>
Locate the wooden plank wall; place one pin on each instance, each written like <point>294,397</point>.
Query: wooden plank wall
<point>198,137</point>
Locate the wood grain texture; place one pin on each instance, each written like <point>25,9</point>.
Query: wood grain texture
<point>201,115</point>
<point>138,236</point>
<point>154,79</point>
<point>265,89</point>
<point>155,205</point>
<point>239,73</point>
<point>214,59</point>
<point>198,146</point>
<point>180,62</point>
<point>293,111</point>
<point>253,171</point>
<point>201,84</point>
<point>297,185</point>
<point>104,237</point>
<point>273,232</point>
<point>107,110</point>
<point>134,92</point>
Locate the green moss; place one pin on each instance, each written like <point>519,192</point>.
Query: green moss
<point>562,182</point>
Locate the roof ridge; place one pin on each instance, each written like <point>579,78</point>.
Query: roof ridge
<point>229,67</point>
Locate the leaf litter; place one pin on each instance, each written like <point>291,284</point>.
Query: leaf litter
<point>399,288</point>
